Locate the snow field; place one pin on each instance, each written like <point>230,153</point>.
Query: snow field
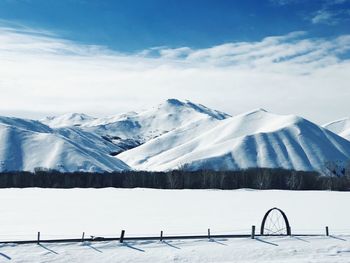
<point>66,213</point>
<point>59,213</point>
<point>262,250</point>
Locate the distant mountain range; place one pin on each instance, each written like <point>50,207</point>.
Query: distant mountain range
<point>174,135</point>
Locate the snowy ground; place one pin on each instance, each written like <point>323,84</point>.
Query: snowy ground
<point>104,212</point>
<point>67,213</point>
<point>277,249</point>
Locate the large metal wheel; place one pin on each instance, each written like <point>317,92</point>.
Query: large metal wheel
<point>275,222</point>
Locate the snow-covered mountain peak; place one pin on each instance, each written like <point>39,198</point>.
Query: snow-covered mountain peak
<point>262,113</point>
<point>260,120</point>
<point>174,102</point>
<point>255,114</point>
<point>171,135</point>
<point>68,119</point>
<point>255,111</point>
<point>147,124</point>
<point>79,116</point>
<point>252,139</point>
<point>188,105</point>
<point>172,112</point>
<point>340,127</point>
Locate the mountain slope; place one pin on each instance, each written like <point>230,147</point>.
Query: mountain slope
<point>148,124</point>
<point>173,135</point>
<point>67,120</point>
<point>253,139</point>
<point>134,128</point>
<point>28,145</point>
<point>340,127</point>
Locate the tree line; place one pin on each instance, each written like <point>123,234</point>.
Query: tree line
<point>256,178</point>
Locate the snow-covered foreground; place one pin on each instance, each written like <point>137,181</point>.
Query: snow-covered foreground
<point>105,212</point>
<point>277,249</point>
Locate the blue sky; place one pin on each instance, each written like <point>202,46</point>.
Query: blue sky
<point>131,25</point>
<point>108,57</point>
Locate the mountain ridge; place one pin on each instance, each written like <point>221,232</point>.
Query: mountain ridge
<point>340,127</point>
<point>37,146</point>
<point>172,135</point>
<point>251,136</point>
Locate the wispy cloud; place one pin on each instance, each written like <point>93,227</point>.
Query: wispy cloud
<point>330,17</point>
<point>328,12</point>
<point>43,73</point>
<point>325,17</point>
<point>294,51</point>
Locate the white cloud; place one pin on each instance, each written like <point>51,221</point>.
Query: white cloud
<point>330,12</point>
<point>325,17</point>
<point>330,17</point>
<point>42,74</point>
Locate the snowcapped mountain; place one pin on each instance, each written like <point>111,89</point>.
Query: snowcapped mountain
<point>340,127</point>
<point>28,145</point>
<point>67,120</point>
<point>145,125</point>
<point>76,141</point>
<point>174,135</point>
<point>253,139</point>
<point>131,129</point>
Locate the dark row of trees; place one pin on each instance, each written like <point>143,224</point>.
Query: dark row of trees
<point>258,178</point>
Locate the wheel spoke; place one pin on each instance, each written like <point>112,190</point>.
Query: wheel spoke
<point>275,224</point>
